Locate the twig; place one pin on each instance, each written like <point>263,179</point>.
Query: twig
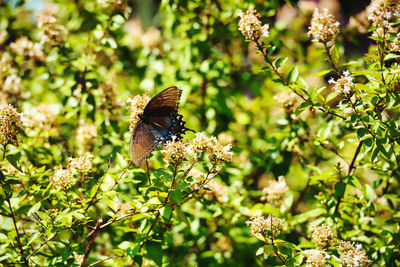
<point>93,199</point>
<point>330,59</point>
<point>42,244</point>
<point>91,242</point>
<point>147,171</point>
<point>191,166</point>
<point>4,151</point>
<point>100,261</point>
<point>287,84</point>
<point>119,178</point>
<point>16,230</point>
<point>350,170</point>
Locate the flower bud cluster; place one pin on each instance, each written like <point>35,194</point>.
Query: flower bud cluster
<point>265,226</point>
<point>324,27</point>
<point>384,15</point>
<point>10,121</point>
<point>352,254</point>
<point>287,99</point>
<point>323,237</point>
<point>175,152</point>
<point>136,104</point>
<point>344,85</point>
<point>275,191</point>
<point>27,49</point>
<point>50,30</point>
<point>64,179</point>
<point>316,258</point>
<point>250,26</point>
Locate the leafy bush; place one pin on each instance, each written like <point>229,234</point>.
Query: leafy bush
<point>303,168</point>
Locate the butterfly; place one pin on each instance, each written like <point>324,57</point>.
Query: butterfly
<point>159,123</point>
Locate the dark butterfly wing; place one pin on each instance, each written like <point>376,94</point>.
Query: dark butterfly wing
<point>164,103</point>
<point>143,142</point>
<point>160,122</point>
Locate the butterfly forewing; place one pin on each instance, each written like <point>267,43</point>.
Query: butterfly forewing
<point>164,103</point>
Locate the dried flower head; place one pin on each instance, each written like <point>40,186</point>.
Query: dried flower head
<point>344,85</point>
<point>50,31</point>
<point>316,258</point>
<point>41,117</point>
<point>12,84</point>
<point>82,164</point>
<point>27,49</point>
<point>175,152</point>
<point>383,13</point>
<point>223,245</point>
<point>136,104</point>
<point>10,121</point>
<point>218,191</point>
<point>86,136</point>
<point>201,143</point>
<point>287,99</point>
<point>276,190</point>
<point>360,22</point>
<point>352,255</point>
<point>63,179</point>
<point>323,237</point>
<point>324,27</point>
<point>220,154</point>
<point>250,26</point>
<point>217,152</point>
<point>151,38</point>
<point>266,226</point>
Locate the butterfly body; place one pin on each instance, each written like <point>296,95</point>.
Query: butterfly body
<point>159,123</point>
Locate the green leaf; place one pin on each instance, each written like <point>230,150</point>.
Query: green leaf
<point>166,212</point>
<point>14,158</point>
<point>182,216</point>
<point>333,51</point>
<point>33,237</point>
<point>133,251</point>
<point>369,193</point>
<point>279,62</point>
<point>369,142</point>
<point>293,74</point>
<point>361,132</point>
<point>339,189</point>
<point>154,252</point>
<point>300,218</point>
<point>176,195</point>
<point>305,105</point>
<point>322,73</point>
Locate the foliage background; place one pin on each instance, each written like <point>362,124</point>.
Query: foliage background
<point>106,51</point>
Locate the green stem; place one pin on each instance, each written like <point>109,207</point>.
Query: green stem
<point>330,59</point>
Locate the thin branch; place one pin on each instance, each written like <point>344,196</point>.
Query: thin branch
<point>330,59</point>
<point>119,178</point>
<point>93,199</point>
<point>91,242</point>
<point>4,151</point>
<point>100,261</point>
<point>16,230</point>
<point>350,170</point>
<point>286,82</point>
<point>42,244</point>
<point>147,171</point>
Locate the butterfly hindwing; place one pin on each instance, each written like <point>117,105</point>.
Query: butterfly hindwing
<point>143,142</point>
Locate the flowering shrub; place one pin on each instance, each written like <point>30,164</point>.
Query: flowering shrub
<point>295,160</point>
